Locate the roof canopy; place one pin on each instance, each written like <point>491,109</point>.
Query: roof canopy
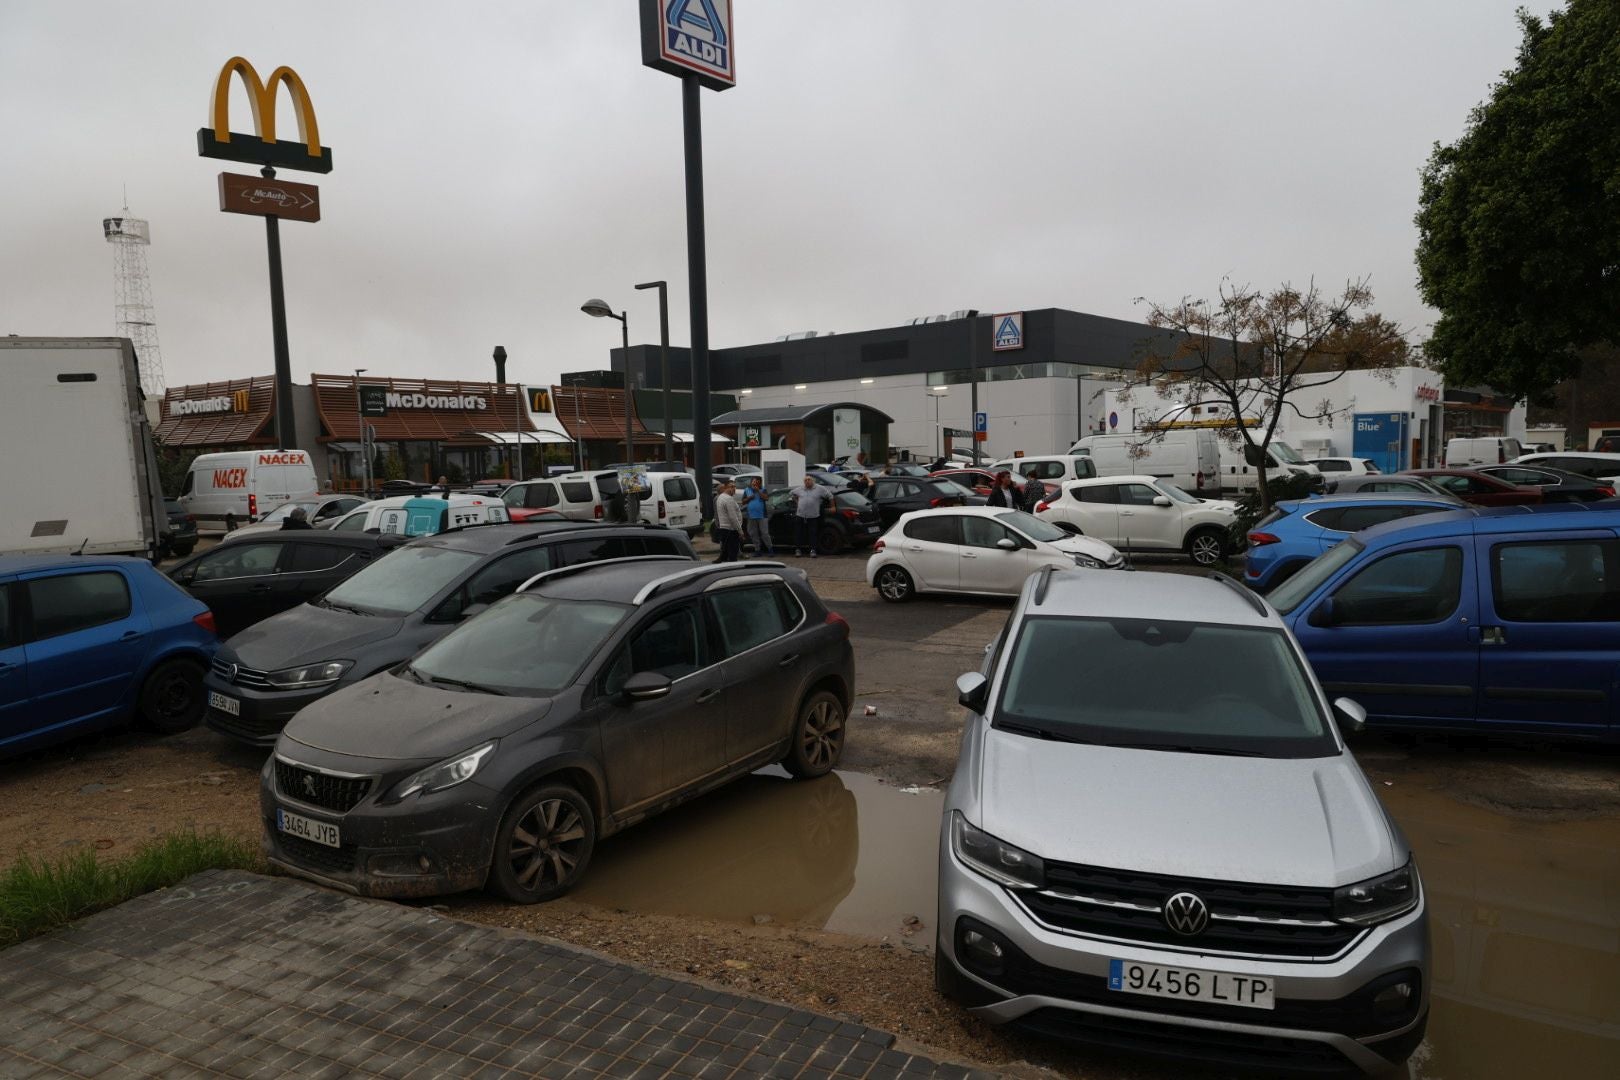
<point>796,414</point>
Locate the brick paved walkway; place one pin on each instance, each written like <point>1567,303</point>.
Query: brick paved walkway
<point>233,974</point>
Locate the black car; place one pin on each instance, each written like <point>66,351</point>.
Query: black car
<point>178,538</point>
<point>1557,485</point>
<point>247,580</point>
<point>852,522</point>
<point>596,697</point>
<point>393,609</point>
<point>896,495</point>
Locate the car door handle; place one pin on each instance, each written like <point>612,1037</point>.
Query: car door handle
<point>1492,635</point>
<point>129,635</point>
<point>261,587</point>
<point>1127,513</point>
<point>788,660</point>
<point>969,555</point>
<point>708,696</point>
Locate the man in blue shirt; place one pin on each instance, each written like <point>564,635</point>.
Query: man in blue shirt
<point>757,518</point>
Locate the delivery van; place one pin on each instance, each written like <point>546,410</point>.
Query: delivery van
<point>1239,461</point>
<point>1491,450</point>
<point>1189,458</point>
<point>236,488</point>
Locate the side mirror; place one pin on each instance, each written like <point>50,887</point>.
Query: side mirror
<point>646,686</point>
<point>187,576</point>
<point>1007,543</point>
<point>1351,717</point>
<point>1323,615</point>
<point>1161,500</point>
<point>973,691</point>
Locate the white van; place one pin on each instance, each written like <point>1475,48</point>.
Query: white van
<point>672,499</point>
<point>1053,468</point>
<point>235,488</point>
<point>1238,471</point>
<point>1495,450</point>
<point>1189,458</point>
<point>418,515</point>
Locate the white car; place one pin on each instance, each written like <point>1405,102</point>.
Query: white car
<point>975,549</point>
<point>1141,513</point>
<point>416,515</point>
<point>1345,466</point>
<point>321,512</point>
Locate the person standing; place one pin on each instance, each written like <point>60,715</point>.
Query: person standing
<point>728,523</point>
<point>442,487</point>
<point>298,519</point>
<point>1000,490</point>
<point>1034,493</point>
<point>758,517</point>
<point>809,502</point>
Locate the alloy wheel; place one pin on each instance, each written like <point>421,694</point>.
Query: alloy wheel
<point>545,846</point>
<point>1207,549</point>
<point>894,584</point>
<point>823,734</point>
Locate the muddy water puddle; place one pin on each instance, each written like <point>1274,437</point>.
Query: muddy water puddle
<point>1525,920</point>
<point>846,852</point>
<point>1525,916</point>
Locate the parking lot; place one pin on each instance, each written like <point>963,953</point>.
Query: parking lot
<point>821,895</point>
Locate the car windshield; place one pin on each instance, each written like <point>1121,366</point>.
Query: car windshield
<point>1174,686</point>
<point>1288,596</point>
<point>951,489</point>
<point>526,644</point>
<point>401,582</point>
<point>1032,526</point>
<point>281,512</point>
<point>1175,493</point>
<point>831,479</point>
<point>1286,453</point>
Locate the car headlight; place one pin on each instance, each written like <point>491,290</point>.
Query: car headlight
<point>995,859</point>
<point>446,774</point>
<point>1377,899</point>
<point>302,678</point>
<point>1087,561</point>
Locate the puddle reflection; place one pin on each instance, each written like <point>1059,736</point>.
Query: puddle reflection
<point>1525,919</point>
<point>845,852</point>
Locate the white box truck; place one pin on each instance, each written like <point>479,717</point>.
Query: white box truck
<point>80,468</point>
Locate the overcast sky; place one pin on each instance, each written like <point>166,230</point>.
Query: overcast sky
<point>496,164</point>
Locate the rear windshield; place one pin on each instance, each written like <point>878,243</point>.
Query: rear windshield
<point>852,500</point>
<point>680,489</point>
<point>578,491</point>
<point>1174,686</point>
<point>401,582</point>
<point>946,489</point>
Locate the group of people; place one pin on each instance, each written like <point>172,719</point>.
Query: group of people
<point>1007,492</point>
<point>736,516</point>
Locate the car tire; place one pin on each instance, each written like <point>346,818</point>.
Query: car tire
<point>563,827</point>
<point>894,584</point>
<point>829,541</point>
<point>818,736</point>
<point>1206,547</point>
<point>172,699</point>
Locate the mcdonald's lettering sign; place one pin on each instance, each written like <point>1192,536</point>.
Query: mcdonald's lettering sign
<point>262,147</point>
<point>239,400</point>
<point>539,399</point>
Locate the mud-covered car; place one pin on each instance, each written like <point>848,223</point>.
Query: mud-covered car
<point>593,698</point>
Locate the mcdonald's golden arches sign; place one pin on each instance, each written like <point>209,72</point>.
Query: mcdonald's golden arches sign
<point>263,147</point>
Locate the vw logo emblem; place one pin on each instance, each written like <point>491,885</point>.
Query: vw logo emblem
<point>234,669</point>
<point>1186,914</point>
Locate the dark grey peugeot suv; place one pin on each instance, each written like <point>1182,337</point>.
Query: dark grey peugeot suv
<point>596,696</point>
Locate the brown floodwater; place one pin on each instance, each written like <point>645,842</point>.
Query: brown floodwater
<point>1525,916</point>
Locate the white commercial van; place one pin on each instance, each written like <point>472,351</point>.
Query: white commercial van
<point>1238,471</point>
<point>1189,458</point>
<point>1493,450</point>
<point>422,515</point>
<point>236,488</point>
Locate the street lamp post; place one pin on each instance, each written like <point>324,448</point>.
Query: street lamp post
<point>598,309</point>
<point>663,362</point>
<point>937,392</point>
<point>360,419</point>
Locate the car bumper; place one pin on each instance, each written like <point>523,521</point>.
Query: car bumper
<point>261,714</point>
<point>426,845</point>
<point>1056,984</point>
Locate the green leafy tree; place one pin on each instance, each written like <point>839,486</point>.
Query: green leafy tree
<point>1519,224</point>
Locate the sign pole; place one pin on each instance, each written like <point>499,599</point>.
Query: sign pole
<point>697,288</point>
<point>286,428</point>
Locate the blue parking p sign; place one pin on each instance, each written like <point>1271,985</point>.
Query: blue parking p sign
<point>981,421</point>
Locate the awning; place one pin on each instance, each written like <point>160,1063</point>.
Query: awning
<point>345,447</point>
<point>233,413</point>
<point>688,437</point>
<point>512,438</point>
<point>595,412</point>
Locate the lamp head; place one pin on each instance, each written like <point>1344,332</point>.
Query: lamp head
<point>596,309</point>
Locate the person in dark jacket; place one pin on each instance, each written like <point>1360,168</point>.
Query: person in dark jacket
<point>1001,490</point>
<point>1034,494</point>
<point>298,519</point>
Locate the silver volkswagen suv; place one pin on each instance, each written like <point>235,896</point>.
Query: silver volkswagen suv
<point>1157,841</point>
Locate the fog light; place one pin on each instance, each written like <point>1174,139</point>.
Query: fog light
<point>424,863</point>
<point>400,864</point>
<point>982,945</point>
<point>1393,998</point>
<point>980,949</point>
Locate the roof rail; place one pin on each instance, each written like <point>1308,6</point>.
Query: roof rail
<point>564,571</point>
<point>1043,582</point>
<point>652,588</point>
<point>543,527</point>
<point>1254,601</point>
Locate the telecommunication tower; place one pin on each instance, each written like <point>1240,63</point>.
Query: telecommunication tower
<point>132,296</point>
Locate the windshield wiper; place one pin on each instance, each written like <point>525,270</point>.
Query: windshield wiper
<point>1040,732</point>
<point>342,607</point>
<point>1185,748</point>
<point>445,680</point>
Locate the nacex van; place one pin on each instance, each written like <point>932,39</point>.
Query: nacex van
<point>237,488</point>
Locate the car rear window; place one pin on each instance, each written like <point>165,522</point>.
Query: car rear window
<point>680,489</point>
<point>578,491</point>
<point>1236,690</point>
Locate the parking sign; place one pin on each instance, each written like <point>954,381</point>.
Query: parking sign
<point>981,421</point>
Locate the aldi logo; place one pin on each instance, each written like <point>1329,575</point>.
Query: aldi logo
<point>686,37</point>
<point>1009,332</point>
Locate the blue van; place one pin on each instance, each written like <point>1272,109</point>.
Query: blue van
<point>1497,619</point>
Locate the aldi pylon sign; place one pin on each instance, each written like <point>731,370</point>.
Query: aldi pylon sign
<point>690,37</point>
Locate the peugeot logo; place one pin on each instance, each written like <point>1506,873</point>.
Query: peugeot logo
<point>1186,914</point>
<point>309,789</point>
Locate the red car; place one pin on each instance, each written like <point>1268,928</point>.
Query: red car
<point>1479,488</point>
<point>980,481</point>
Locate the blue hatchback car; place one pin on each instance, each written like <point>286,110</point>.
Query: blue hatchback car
<point>1496,619</point>
<point>1297,531</point>
<point>88,642</point>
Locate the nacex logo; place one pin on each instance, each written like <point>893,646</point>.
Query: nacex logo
<point>284,459</point>
<point>230,478</point>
